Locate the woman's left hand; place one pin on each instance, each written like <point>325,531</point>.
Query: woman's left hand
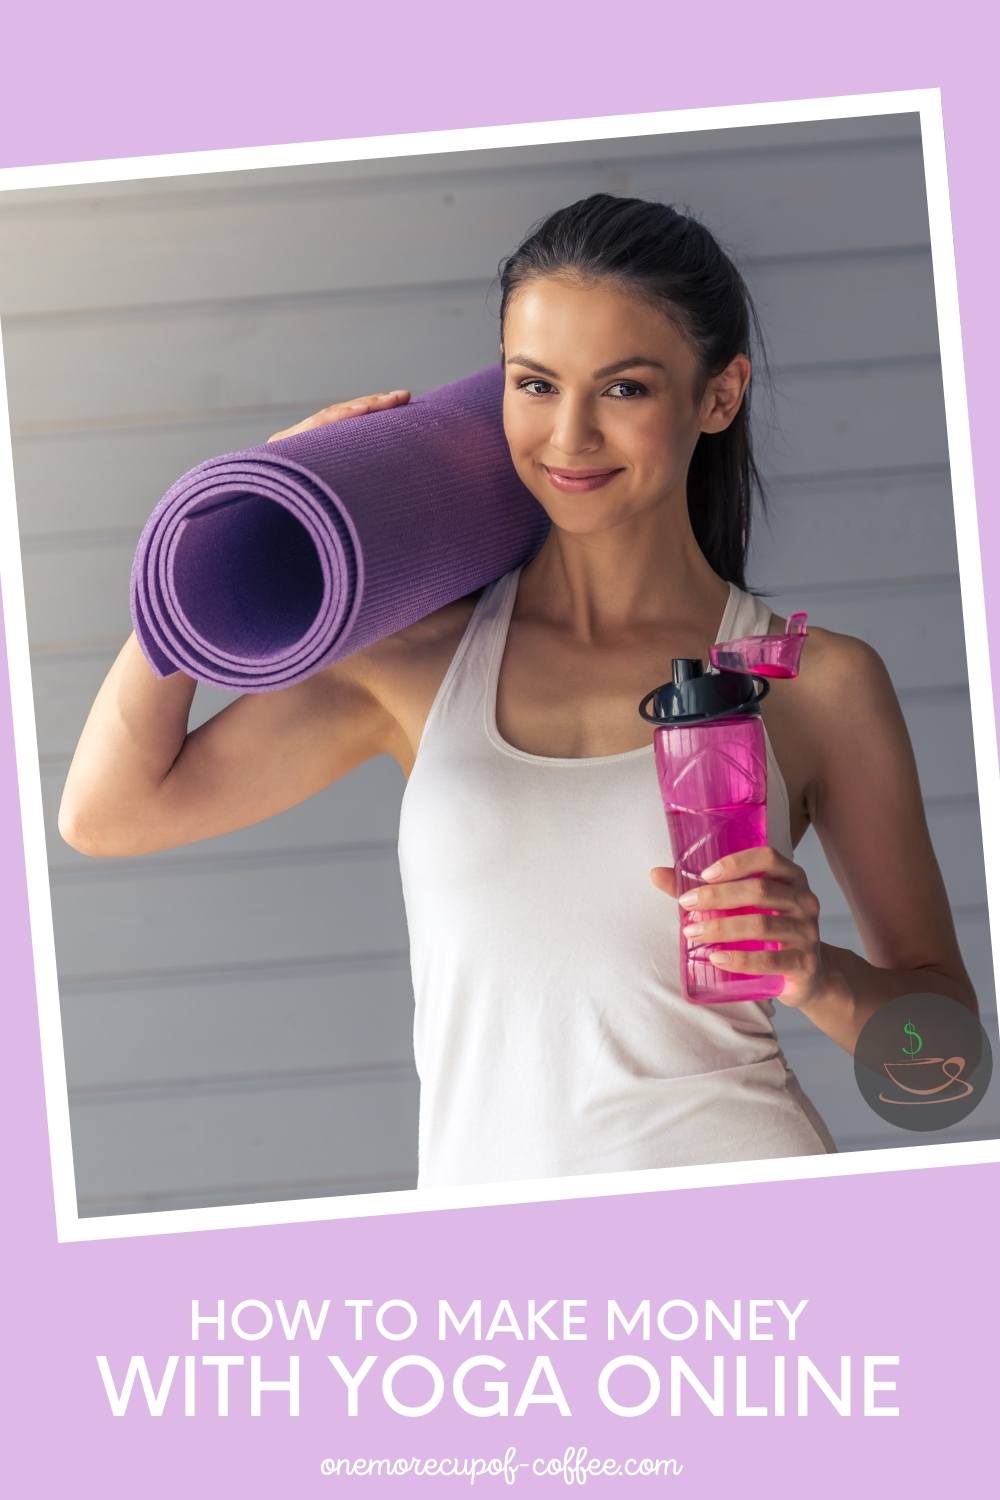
<point>758,877</point>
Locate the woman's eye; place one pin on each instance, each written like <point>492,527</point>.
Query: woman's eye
<point>632,386</point>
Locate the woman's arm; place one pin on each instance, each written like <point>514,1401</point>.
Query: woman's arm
<point>869,817</point>
<point>139,782</point>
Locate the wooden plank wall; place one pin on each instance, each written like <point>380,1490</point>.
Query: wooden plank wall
<point>237,1015</point>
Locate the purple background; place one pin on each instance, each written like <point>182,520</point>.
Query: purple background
<point>890,1261</point>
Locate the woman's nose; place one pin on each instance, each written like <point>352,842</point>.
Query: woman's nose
<point>574,428</point>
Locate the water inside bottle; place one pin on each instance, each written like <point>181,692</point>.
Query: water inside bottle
<point>713,784</point>
<point>705,836</point>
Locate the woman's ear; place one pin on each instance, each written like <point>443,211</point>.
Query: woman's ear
<point>724,394</point>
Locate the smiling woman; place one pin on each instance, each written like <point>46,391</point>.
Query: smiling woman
<point>647,429</point>
<point>551,1029</point>
<point>551,1032</point>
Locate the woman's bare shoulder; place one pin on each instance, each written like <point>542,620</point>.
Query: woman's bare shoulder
<point>832,658</point>
<point>420,647</point>
<point>843,694</point>
<point>441,629</point>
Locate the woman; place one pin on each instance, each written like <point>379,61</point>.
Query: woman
<point>551,1035</point>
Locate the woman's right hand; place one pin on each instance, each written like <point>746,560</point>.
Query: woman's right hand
<point>380,401</point>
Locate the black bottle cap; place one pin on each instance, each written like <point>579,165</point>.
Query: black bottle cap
<point>695,695</point>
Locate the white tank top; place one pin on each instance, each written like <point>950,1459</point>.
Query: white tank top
<point>551,1036</point>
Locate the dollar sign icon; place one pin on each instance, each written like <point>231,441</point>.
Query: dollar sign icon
<point>916,1043</point>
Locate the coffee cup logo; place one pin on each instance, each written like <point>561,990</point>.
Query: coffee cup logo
<point>923,1062</point>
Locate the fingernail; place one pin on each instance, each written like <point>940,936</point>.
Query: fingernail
<point>693,928</point>
<point>719,958</point>
<point>711,872</point>
<point>688,899</point>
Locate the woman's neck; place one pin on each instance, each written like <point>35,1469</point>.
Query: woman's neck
<point>602,586</point>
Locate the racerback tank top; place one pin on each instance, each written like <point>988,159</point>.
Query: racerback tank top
<point>551,1035</point>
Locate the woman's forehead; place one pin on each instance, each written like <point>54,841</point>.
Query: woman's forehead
<point>590,323</point>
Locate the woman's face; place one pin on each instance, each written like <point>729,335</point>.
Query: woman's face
<point>580,393</point>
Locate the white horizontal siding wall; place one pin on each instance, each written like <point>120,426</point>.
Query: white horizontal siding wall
<point>237,1015</point>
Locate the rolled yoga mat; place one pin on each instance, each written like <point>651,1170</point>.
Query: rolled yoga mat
<point>258,568</point>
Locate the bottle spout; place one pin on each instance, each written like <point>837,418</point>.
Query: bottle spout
<point>764,655</point>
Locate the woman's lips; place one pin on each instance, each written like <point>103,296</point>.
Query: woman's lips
<point>574,482</point>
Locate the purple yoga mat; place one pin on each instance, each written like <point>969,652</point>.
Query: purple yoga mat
<point>258,568</point>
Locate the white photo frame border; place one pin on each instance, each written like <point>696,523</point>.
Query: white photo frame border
<point>69,1226</point>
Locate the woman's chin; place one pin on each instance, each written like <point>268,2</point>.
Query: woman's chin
<point>581,519</point>
<point>579,525</point>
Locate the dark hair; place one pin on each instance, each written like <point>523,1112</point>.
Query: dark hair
<point>653,250</point>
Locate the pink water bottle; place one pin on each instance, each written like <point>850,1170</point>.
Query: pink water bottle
<point>711,761</point>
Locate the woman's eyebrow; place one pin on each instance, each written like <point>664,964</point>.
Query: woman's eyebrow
<point>621,364</point>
